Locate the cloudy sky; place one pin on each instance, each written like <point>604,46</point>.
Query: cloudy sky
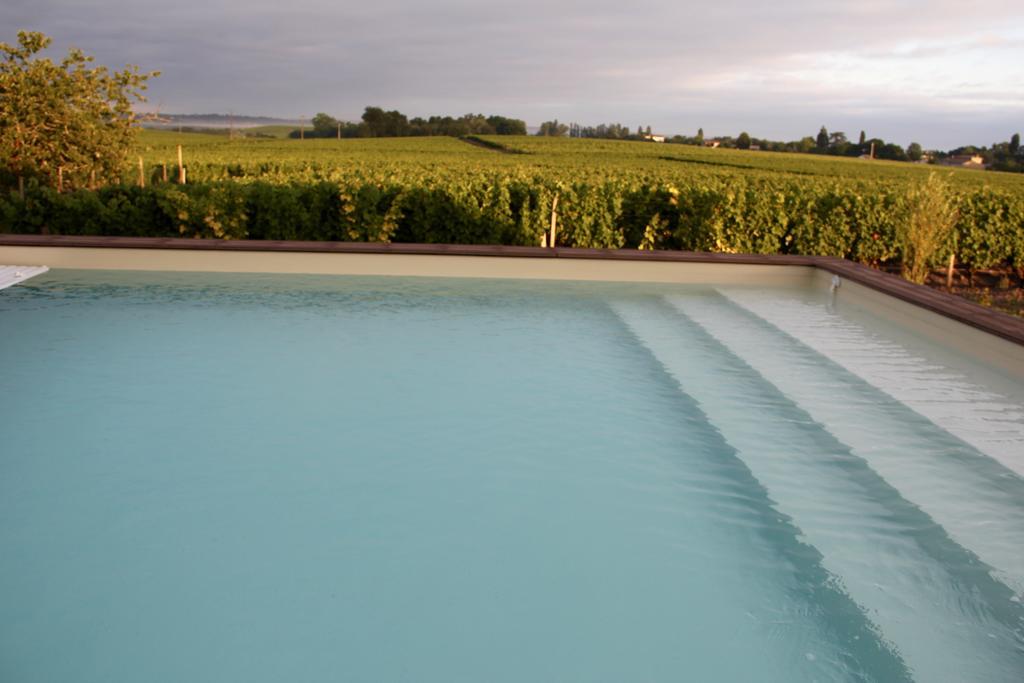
<point>940,72</point>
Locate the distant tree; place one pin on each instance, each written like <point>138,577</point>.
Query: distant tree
<point>743,141</point>
<point>380,123</point>
<point>1006,156</point>
<point>805,145</point>
<point>66,119</point>
<point>873,143</point>
<point>507,126</point>
<point>648,131</point>
<point>822,140</point>
<point>611,131</point>
<point>373,121</point>
<point>838,144</point>
<point>324,126</point>
<point>553,129</point>
<point>914,151</point>
<point>700,136</point>
<point>889,150</point>
<point>863,139</point>
<point>476,124</point>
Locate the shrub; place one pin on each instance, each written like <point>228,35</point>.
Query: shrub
<point>870,222</point>
<point>928,229</point>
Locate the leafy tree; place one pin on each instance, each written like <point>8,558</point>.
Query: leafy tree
<point>700,136</point>
<point>1006,156</point>
<point>822,140</point>
<point>805,144</point>
<point>914,151</point>
<point>863,139</point>
<point>67,118</point>
<point>889,150</point>
<point>324,125</point>
<point>743,141</point>
<point>553,129</point>
<point>507,126</point>
<point>380,123</point>
<point>611,131</point>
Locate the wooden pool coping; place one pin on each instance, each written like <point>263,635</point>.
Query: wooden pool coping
<point>1000,324</point>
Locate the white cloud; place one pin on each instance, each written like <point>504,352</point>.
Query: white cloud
<point>777,69</point>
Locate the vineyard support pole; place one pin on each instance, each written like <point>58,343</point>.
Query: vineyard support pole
<point>554,221</point>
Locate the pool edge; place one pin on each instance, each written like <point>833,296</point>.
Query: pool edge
<point>153,253</point>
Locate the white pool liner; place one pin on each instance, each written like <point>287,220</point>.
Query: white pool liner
<point>12,275</point>
<point>981,418</point>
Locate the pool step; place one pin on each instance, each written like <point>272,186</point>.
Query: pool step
<point>890,558</point>
<point>836,636</point>
<point>988,422</point>
<point>12,275</point>
<point>966,493</point>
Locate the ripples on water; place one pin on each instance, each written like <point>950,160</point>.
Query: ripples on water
<point>255,477</point>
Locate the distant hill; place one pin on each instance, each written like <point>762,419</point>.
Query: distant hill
<point>221,121</point>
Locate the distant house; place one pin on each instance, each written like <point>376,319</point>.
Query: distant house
<point>755,148</point>
<point>712,143</point>
<point>655,138</point>
<point>963,161</point>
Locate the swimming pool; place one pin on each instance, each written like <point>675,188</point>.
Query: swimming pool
<point>279,477</point>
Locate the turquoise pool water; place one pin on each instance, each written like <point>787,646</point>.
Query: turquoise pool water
<point>279,478</point>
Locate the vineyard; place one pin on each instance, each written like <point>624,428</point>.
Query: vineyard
<point>610,194</point>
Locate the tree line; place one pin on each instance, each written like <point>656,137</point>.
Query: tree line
<point>1001,156</point>
<point>832,144</point>
<point>377,123</point>
<point>606,131</point>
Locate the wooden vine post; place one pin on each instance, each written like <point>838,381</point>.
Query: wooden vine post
<point>60,179</point>
<point>142,173</point>
<point>554,222</point>
<point>949,272</point>
<point>181,168</point>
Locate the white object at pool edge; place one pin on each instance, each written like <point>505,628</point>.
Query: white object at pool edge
<point>12,275</point>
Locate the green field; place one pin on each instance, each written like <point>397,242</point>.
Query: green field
<point>610,194</point>
<point>210,156</point>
